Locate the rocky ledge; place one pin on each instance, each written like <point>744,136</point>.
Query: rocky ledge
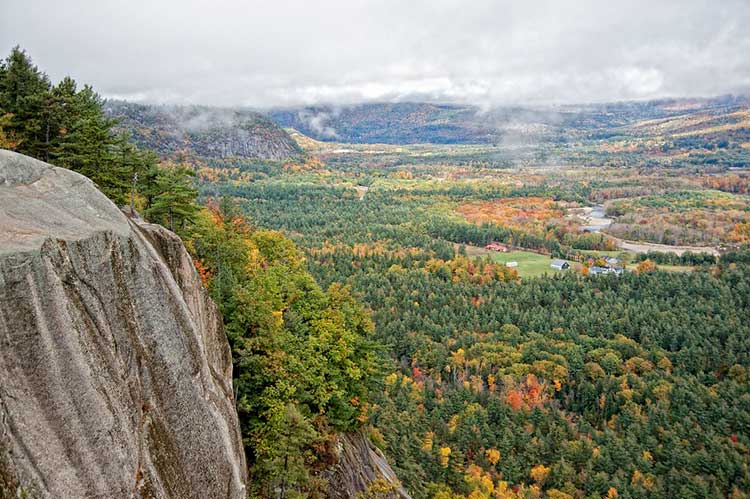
<point>115,373</point>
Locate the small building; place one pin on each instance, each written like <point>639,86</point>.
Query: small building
<point>496,247</point>
<point>560,265</point>
<point>596,270</point>
<point>605,270</point>
<point>511,264</point>
<point>611,260</point>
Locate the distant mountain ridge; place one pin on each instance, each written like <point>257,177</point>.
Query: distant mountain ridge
<point>206,132</point>
<point>216,133</point>
<point>409,123</point>
<point>390,123</point>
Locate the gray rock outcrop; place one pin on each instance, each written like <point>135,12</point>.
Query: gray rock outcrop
<point>115,373</point>
<point>359,467</point>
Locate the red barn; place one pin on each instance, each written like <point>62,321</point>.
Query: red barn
<point>497,247</point>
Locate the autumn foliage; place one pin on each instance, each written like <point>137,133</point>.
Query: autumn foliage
<point>519,213</point>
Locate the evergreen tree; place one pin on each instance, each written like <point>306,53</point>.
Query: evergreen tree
<point>172,197</point>
<point>284,467</point>
<point>89,147</point>
<point>138,169</point>
<point>24,92</point>
<point>68,127</point>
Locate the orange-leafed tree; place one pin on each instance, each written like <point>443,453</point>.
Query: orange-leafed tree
<point>645,266</point>
<point>514,399</point>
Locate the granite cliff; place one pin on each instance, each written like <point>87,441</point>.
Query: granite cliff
<point>115,373</point>
<point>205,132</point>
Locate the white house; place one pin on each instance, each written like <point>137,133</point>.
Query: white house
<point>560,265</point>
<point>605,270</point>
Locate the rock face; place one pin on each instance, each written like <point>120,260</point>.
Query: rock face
<point>207,132</point>
<point>115,374</point>
<point>361,466</point>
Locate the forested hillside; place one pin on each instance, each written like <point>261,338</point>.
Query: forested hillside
<point>702,131</point>
<point>403,123</point>
<point>303,357</point>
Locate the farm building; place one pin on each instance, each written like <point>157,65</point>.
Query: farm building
<point>605,270</point>
<point>560,265</point>
<point>497,247</point>
<point>611,260</point>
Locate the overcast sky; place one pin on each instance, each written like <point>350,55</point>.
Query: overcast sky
<point>280,52</point>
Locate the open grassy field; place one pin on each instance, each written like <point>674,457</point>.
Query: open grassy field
<point>529,264</point>
<point>533,264</point>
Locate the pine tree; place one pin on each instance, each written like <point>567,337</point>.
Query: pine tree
<point>61,114</point>
<point>172,197</point>
<point>90,148</point>
<point>24,90</point>
<point>284,466</point>
<point>138,169</point>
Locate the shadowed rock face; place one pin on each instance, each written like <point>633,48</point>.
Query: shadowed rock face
<point>360,466</point>
<point>115,373</point>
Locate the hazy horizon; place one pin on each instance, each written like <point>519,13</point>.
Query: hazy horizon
<point>744,95</point>
<point>292,53</point>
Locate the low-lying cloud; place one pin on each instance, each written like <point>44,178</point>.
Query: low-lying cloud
<point>289,53</point>
<point>318,121</point>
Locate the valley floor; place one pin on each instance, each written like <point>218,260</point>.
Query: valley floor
<point>526,381</point>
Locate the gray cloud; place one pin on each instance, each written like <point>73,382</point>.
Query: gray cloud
<point>284,53</point>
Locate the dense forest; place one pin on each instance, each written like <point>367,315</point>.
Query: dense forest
<point>560,386</point>
<point>578,385</point>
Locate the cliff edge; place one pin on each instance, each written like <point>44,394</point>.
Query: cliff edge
<point>115,373</point>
